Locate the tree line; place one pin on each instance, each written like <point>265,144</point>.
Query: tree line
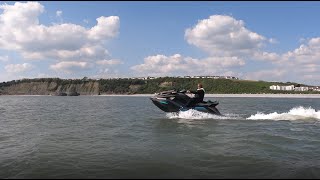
<point>150,86</point>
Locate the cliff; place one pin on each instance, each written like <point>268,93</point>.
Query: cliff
<point>50,88</point>
<point>63,87</point>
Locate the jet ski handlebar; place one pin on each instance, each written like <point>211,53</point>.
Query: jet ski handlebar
<point>172,92</point>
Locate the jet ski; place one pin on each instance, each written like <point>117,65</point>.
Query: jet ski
<point>175,101</point>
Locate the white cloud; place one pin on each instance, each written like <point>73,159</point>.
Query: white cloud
<point>105,70</point>
<point>303,61</point>
<point>18,68</point>
<point>86,21</point>
<point>85,53</point>
<point>305,54</point>
<point>107,27</point>
<point>270,74</point>
<point>227,41</point>
<point>42,75</point>
<point>108,73</point>
<point>230,45</point>
<point>109,62</point>
<point>21,14</point>
<point>177,64</point>
<point>227,62</point>
<point>312,78</point>
<point>273,41</point>
<point>59,13</point>
<point>4,58</point>
<point>273,57</point>
<point>301,64</point>
<point>22,32</point>
<point>70,66</point>
<point>222,35</point>
<point>59,16</point>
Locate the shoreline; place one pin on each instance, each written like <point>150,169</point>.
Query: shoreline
<point>237,95</point>
<point>267,95</point>
<point>210,95</point>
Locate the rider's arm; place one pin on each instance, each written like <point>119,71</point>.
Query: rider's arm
<point>194,92</point>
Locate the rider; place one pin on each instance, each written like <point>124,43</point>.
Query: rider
<point>199,95</point>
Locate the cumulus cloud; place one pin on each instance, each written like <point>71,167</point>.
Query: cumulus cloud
<point>306,53</point>
<point>4,58</point>
<point>86,21</point>
<point>273,41</point>
<point>18,68</point>
<point>101,32</point>
<point>266,56</point>
<point>230,45</point>
<point>177,64</point>
<point>269,74</point>
<point>59,13</point>
<point>303,61</point>
<point>22,32</point>
<point>226,40</point>
<point>222,35</point>
<point>70,66</point>
<point>59,16</point>
<point>305,58</point>
<point>21,14</point>
<point>109,62</point>
<point>301,64</point>
<point>85,53</point>
<point>312,78</point>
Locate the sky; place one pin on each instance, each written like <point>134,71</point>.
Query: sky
<point>269,41</point>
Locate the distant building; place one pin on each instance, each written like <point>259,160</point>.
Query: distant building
<point>301,88</point>
<point>288,88</point>
<point>314,88</point>
<point>209,77</point>
<point>275,87</point>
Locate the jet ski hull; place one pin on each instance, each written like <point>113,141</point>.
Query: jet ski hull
<point>165,105</point>
<point>174,104</point>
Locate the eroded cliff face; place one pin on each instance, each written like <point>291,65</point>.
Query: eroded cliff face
<point>45,88</point>
<point>86,88</point>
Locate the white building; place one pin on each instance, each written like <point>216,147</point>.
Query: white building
<point>275,87</point>
<point>282,88</point>
<point>288,88</point>
<point>301,89</point>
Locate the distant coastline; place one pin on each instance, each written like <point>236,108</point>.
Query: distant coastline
<point>138,87</point>
<point>234,95</point>
<point>211,95</point>
<point>267,95</point>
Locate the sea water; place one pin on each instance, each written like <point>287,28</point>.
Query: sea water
<point>129,137</point>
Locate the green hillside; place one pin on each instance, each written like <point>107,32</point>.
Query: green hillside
<point>47,86</point>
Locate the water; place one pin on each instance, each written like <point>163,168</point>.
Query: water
<point>129,137</point>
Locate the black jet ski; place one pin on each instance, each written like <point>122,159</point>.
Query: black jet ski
<point>175,101</point>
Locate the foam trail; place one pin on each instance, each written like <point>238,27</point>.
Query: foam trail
<point>297,113</point>
<point>194,114</point>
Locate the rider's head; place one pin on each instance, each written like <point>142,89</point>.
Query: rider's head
<point>199,85</point>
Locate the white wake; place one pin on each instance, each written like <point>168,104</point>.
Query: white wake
<point>297,113</point>
<point>194,114</point>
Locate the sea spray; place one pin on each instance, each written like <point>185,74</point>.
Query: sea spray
<point>296,113</point>
<point>194,114</point>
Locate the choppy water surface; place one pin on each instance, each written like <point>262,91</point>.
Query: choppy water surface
<point>129,137</point>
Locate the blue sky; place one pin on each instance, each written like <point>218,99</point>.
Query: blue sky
<point>272,41</point>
